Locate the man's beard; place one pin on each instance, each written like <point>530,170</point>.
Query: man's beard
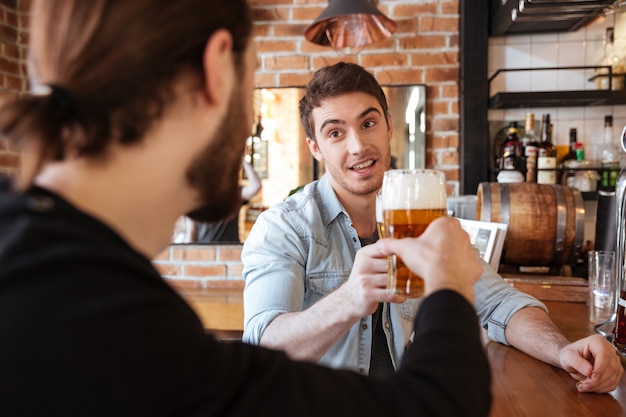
<point>215,172</point>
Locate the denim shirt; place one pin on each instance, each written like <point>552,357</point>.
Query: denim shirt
<point>303,248</point>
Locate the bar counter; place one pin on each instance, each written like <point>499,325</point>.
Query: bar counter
<point>522,386</point>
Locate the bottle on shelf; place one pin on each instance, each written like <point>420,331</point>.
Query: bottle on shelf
<point>510,162</point>
<point>610,58</point>
<point>528,143</point>
<point>571,154</point>
<point>546,154</point>
<point>609,157</point>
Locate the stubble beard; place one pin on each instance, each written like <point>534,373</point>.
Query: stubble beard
<point>215,172</point>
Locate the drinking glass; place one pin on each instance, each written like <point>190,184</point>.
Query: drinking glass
<point>411,199</point>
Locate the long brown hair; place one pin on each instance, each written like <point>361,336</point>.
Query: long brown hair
<point>111,64</point>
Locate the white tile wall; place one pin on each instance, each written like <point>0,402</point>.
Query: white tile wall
<point>581,48</point>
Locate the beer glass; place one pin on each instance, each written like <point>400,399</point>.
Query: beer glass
<point>411,199</point>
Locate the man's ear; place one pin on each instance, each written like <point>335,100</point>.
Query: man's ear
<point>389,126</point>
<point>218,67</point>
<point>314,149</point>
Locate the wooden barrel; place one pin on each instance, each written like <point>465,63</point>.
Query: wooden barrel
<point>545,222</point>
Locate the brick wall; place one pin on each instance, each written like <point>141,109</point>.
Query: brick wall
<point>12,64</point>
<point>424,50</point>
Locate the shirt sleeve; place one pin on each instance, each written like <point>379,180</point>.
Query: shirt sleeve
<point>496,301</point>
<point>274,276</point>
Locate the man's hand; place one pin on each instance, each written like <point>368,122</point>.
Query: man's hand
<point>593,362</point>
<point>443,256</point>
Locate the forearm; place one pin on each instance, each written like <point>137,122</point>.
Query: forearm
<point>308,334</point>
<point>531,331</point>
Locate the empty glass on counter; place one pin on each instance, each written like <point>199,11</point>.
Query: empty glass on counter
<point>602,286</point>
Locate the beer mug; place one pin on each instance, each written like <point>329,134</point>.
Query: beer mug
<point>410,200</point>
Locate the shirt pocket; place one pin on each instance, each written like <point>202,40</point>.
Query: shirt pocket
<point>408,309</point>
<point>321,284</point>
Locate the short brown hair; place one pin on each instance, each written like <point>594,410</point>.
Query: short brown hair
<point>335,80</point>
<point>114,62</point>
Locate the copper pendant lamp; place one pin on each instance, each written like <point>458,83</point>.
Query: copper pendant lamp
<point>350,24</point>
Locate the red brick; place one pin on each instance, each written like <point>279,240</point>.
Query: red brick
<point>294,80</point>
<point>439,24</point>
<point>290,62</point>
<point>408,25</point>
<point>435,58</point>
<point>411,10</point>
<point>424,42</point>
<point>260,30</point>
<point>383,60</point>
<point>205,253</point>
<point>402,76</point>
<point>446,124</point>
<point>229,253</point>
<point>290,30</point>
<point>264,80</point>
<point>449,7</point>
<point>191,270</point>
<point>272,14</point>
<point>433,75</point>
<point>264,46</point>
<point>306,13</point>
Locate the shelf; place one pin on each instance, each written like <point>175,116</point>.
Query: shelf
<point>507,100</point>
<point>566,98</point>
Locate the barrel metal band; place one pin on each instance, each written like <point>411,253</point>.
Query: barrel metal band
<point>485,209</point>
<point>505,209</point>
<point>561,223</point>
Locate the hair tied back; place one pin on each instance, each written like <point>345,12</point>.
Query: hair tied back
<point>61,99</point>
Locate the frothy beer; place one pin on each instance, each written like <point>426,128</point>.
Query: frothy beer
<point>411,200</point>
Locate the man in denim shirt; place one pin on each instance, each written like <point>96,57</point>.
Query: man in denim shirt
<point>308,295</point>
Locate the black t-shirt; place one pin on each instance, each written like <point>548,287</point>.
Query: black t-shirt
<point>89,328</point>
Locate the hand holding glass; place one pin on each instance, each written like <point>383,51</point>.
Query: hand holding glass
<point>410,201</point>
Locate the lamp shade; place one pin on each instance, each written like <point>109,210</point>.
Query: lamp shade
<point>350,24</point>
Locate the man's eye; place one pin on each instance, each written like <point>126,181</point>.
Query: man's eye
<point>369,123</point>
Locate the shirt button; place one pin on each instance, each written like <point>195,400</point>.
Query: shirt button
<point>365,327</point>
<point>361,370</point>
<point>354,239</point>
<point>387,325</point>
<point>40,204</point>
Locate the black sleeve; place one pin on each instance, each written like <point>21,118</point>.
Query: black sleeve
<point>443,373</point>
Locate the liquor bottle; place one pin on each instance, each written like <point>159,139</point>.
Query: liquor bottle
<point>609,157</point>
<point>511,164</point>
<point>612,59</point>
<point>568,174</point>
<point>529,144</point>
<point>546,154</point>
<point>573,140</point>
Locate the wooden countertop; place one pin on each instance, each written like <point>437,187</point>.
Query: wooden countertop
<point>522,386</point>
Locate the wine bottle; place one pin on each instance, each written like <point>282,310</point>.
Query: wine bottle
<point>529,144</point>
<point>609,157</point>
<point>510,161</point>
<point>546,154</point>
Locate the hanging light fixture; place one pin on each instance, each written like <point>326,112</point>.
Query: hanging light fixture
<point>350,24</point>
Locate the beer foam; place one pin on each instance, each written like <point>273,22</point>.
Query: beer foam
<point>413,189</point>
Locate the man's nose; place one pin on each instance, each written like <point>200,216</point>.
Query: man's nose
<point>357,142</point>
